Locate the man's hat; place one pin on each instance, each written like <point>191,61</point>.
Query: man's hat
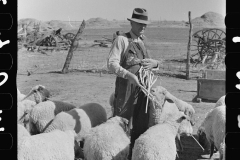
<point>140,15</point>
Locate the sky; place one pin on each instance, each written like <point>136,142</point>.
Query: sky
<point>78,10</point>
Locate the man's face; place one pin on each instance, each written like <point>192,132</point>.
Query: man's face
<point>138,28</point>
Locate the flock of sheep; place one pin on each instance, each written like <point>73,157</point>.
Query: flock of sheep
<point>55,130</point>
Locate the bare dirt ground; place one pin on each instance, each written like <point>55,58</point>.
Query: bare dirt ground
<point>85,84</point>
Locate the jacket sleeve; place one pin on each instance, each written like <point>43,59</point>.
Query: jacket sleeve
<point>114,57</point>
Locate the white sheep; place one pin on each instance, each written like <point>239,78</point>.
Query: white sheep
<point>20,96</point>
<point>182,105</point>
<point>56,145</point>
<point>161,94</point>
<point>80,119</point>
<point>22,134</point>
<point>166,104</point>
<point>25,105</point>
<point>23,109</point>
<point>212,130</point>
<point>107,141</point>
<point>158,142</point>
<point>43,113</point>
<point>45,110</point>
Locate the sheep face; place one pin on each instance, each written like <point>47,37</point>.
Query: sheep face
<point>202,138</point>
<point>40,93</point>
<point>159,95</point>
<point>185,127</point>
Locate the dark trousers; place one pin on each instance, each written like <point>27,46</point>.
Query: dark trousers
<point>129,102</point>
<point>140,120</point>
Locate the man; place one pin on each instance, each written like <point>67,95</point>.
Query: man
<point>126,56</point>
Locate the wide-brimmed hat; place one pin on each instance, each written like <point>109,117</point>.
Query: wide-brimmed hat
<point>140,15</point>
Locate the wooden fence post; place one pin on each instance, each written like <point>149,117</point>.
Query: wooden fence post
<point>189,48</point>
<point>74,46</point>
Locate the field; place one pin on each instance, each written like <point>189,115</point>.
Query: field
<point>84,83</point>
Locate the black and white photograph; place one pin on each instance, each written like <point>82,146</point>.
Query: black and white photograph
<point>121,80</point>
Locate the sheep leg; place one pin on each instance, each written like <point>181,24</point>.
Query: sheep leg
<point>211,149</point>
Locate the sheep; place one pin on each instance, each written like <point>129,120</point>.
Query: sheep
<point>212,130</point>
<point>43,113</point>
<point>25,105</point>
<point>20,96</point>
<point>164,104</point>
<point>160,110</point>
<point>56,145</point>
<point>158,142</point>
<point>107,141</point>
<point>23,109</point>
<point>45,110</point>
<point>80,119</point>
<point>22,133</point>
<point>182,105</point>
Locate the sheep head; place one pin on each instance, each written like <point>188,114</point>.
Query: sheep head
<point>41,94</point>
<point>185,127</point>
<point>202,138</point>
<point>159,96</point>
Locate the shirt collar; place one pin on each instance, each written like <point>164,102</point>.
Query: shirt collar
<point>134,37</point>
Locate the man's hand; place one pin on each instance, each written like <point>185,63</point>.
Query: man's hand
<point>149,63</point>
<point>132,78</point>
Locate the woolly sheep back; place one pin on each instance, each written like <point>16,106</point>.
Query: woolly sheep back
<point>96,113</point>
<point>75,119</point>
<point>20,96</point>
<point>22,133</point>
<point>158,142</point>
<point>80,119</point>
<point>42,114</point>
<point>153,144</point>
<point>107,141</point>
<point>56,145</point>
